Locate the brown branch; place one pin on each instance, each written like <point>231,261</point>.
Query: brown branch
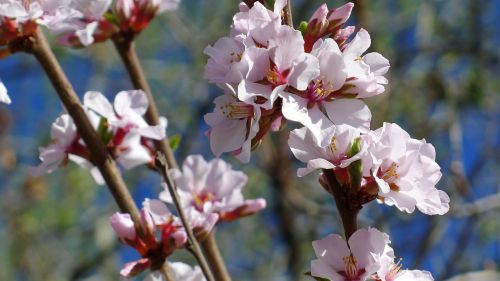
<point>211,250</point>
<point>193,245</point>
<point>39,47</point>
<point>125,47</point>
<point>348,212</point>
<point>279,171</point>
<point>165,270</point>
<point>287,17</point>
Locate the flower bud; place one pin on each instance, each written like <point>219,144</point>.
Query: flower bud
<point>123,226</point>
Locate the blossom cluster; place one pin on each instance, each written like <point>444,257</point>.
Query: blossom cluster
<point>318,76</point>
<point>365,256</point>
<point>388,165</point>
<point>271,72</point>
<point>81,22</point>
<point>128,17</point>
<point>210,192</point>
<point>121,127</point>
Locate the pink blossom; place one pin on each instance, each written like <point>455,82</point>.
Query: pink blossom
<point>58,16</point>
<point>404,170</point>
<point>212,187</point>
<point>4,97</point>
<point>365,73</point>
<point>258,22</point>
<point>322,149</point>
<point>354,260</point>
<point>233,125</point>
<point>64,141</point>
<point>393,271</point>
<point>289,66</point>
<point>121,128</point>
<point>127,127</point>
<point>321,94</point>
<point>201,223</point>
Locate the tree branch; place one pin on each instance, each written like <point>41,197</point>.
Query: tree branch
<point>193,246</point>
<point>125,47</point>
<point>39,47</point>
<point>348,212</point>
<point>211,250</point>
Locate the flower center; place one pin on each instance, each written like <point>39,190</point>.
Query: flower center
<point>237,110</point>
<point>275,77</point>
<point>351,272</point>
<point>201,198</point>
<point>391,174</point>
<point>394,271</point>
<point>320,90</point>
<point>235,57</point>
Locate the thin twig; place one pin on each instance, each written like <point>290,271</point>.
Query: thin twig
<point>165,270</point>
<point>348,212</point>
<point>40,48</point>
<point>125,47</point>
<point>193,245</point>
<point>211,250</point>
<point>288,14</point>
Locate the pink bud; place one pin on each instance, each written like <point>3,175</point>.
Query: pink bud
<point>320,14</point>
<point>147,222</point>
<point>123,226</point>
<point>124,7</point>
<point>341,14</point>
<point>179,238</point>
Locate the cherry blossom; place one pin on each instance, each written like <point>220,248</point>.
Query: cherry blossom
<point>201,223</point>
<point>4,97</point>
<point>127,16</point>
<point>233,125</point>
<point>392,271</point>
<point>212,187</point>
<point>65,145</point>
<point>126,126</point>
<point>159,238</point>
<point>365,73</point>
<point>405,171</point>
<point>20,18</point>
<point>258,23</point>
<point>320,96</point>
<point>127,136</point>
<point>289,66</point>
<point>322,149</point>
<point>354,260</point>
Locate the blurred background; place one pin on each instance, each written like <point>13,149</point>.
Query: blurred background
<point>444,87</point>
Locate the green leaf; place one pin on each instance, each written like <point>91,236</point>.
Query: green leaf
<point>102,131</point>
<point>174,141</point>
<point>302,27</point>
<point>109,16</point>
<point>355,169</point>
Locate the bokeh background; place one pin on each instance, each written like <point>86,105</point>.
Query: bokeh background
<point>444,87</point>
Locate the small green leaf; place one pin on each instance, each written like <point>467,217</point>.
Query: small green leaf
<point>302,27</point>
<point>355,169</point>
<point>174,141</point>
<point>109,16</point>
<point>102,131</point>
